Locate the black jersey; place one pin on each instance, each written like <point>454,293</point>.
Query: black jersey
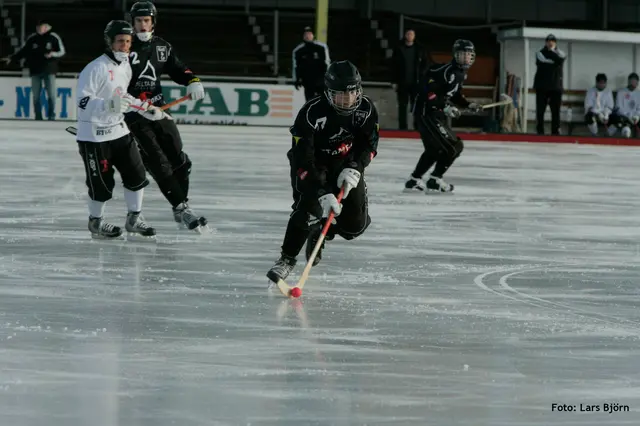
<point>440,85</point>
<point>149,60</point>
<point>324,143</point>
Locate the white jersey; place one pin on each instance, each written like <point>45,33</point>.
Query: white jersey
<point>598,101</point>
<point>100,80</point>
<point>628,102</point>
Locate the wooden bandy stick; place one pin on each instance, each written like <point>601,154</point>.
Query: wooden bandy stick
<point>74,131</point>
<point>284,288</point>
<point>506,101</point>
<point>169,105</point>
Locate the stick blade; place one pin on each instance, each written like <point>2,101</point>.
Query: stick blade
<point>72,130</point>
<point>284,288</point>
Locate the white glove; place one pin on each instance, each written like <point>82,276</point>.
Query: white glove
<point>349,178</point>
<point>196,91</point>
<point>601,117</point>
<point>329,202</point>
<point>451,111</point>
<point>475,107</point>
<point>119,103</point>
<point>635,119</point>
<point>154,113</point>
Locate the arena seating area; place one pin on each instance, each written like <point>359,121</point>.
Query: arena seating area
<point>222,42</point>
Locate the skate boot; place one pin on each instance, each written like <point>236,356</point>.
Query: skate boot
<point>282,268</point>
<point>439,185</point>
<point>184,215</point>
<point>136,226</point>
<point>414,185</point>
<point>103,230</point>
<point>312,240</point>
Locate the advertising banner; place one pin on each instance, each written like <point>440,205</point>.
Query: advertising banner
<point>224,103</point>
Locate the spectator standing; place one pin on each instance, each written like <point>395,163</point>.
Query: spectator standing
<point>310,63</point>
<point>41,51</point>
<point>548,84</point>
<point>408,62</point>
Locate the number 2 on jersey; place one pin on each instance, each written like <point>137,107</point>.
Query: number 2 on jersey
<point>134,58</point>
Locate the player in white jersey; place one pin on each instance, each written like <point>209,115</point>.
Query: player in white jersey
<point>103,138</point>
<point>598,104</point>
<point>627,112</point>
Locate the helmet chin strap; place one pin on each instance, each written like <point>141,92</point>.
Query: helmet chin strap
<point>145,36</point>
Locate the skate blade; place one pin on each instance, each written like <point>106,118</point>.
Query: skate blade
<point>105,238</point>
<point>205,230</point>
<point>135,237</point>
<point>413,191</point>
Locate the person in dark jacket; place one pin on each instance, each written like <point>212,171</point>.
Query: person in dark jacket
<point>310,63</point>
<point>548,84</point>
<point>409,61</point>
<point>41,51</point>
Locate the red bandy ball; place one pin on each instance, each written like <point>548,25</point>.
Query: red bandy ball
<point>295,292</point>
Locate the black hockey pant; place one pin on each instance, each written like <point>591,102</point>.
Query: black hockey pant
<point>161,149</point>
<point>441,145</point>
<point>100,158</point>
<point>553,98</point>
<point>351,223</point>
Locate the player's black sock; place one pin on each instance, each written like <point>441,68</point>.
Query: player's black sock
<point>172,191</point>
<point>424,164</point>
<point>294,239</point>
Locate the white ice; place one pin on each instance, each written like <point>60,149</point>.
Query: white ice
<point>484,307</point>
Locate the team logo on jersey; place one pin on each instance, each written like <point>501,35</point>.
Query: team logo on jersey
<point>148,73</point>
<point>359,117</point>
<point>162,53</point>
<point>452,78</point>
<point>341,143</point>
<point>83,102</point>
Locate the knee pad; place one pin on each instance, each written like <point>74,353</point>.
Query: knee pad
<point>183,170</point>
<point>301,219</point>
<point>626,132</point>
<point>136,186</point>
<point>351,234</point>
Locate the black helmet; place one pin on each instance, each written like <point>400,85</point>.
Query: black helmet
<point>633,76</point>
<point>143,8</point>
<point>601,77</point>
<point>464,53</point>
<point>343,87</point>
<point>115,28</point>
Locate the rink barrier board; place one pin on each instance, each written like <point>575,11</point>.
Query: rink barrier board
<point>519,137</point>
<point>224,103</point>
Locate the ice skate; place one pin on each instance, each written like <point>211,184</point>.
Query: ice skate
<point>437,184</point>
<point>103,230</point>
<point>282,268</point>
<point>137,228</point>
<point>414,185</point>
<point>183,215</point>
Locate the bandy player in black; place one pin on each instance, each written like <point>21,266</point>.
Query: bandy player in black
<point>440,86</point>
<point>158,137</point>
<point>334,138</point>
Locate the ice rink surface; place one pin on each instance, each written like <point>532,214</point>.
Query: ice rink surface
<point>480,308</point>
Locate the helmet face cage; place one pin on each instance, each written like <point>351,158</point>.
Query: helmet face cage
<point>465,58</point>
<point>345,102</point>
